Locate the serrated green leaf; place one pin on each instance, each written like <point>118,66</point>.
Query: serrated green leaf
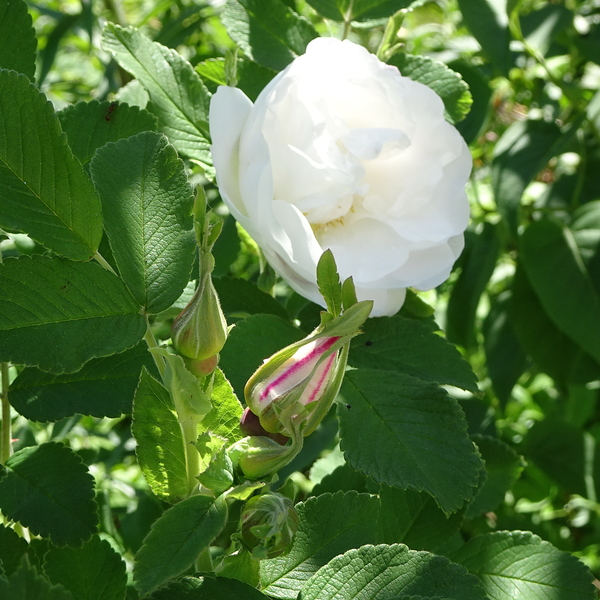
<point>147,203</point>
<point>268,31</point>
<point>416,436</point>
<point>250,342</point>
<point>44,192</point>
<point>224,416</point>
<point>160,447</point>
<point>176,539</point>
<point>328,281</point>
<point>91,125</point>
<point>240,297</point>
<point>374,572</point>
<point>358,10</point>
<point>103,387</point>
<point>12,548</point>
<point>522,151</point>
<point>447,84</point>
<point>344,478</point>
<point>412,347</point>
<point>328,525</point>
<point>478,262</point>
<point>17,38</point>
<point>49,490</point>
<point>26,584</point>
<point>207,588</point>
<point>517,564</point>
<point>178,96</point>
<point>549,254</point>
<point>93,572</point>
<point>488,22</point>
<point>503,466</point>
<point>414,519</point>
<point>72,307</point>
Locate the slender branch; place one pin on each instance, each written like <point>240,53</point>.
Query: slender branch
<point>159,361</point>
<point>348,20</point>
<point>6,435</point>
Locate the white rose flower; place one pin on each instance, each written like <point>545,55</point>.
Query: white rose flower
<point>342,152</point>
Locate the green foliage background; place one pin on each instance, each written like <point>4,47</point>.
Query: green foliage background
<point>519,355</point>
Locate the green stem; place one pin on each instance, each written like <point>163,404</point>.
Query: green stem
<point>102,261</point>
<point>192,456</point>
<point>348,20</point>
<point>6,436</point>
<point>159,361</point>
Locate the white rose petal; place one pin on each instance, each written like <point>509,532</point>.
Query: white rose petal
<point>342,152</point>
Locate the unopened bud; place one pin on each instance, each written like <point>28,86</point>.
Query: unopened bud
<point>269,523</point>
<point>250,425</point>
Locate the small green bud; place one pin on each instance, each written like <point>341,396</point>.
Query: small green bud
<point>269,523</point>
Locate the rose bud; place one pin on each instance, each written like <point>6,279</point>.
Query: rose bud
<point>281,386</point>
<point>269,523</point>
<point>259,456</point>
<point>199,332</point>
<point>250,425</point>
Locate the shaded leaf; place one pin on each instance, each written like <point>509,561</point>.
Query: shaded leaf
<point>17,38</point>
<point>26,584</point>
<point>339,10</point>
<point>207,588</point>
<point>240,297</point>
<point>73,307</point>
<point>12,548</point>
<point>44,192</point>
<point>48,489</point>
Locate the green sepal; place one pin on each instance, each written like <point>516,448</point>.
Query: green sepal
<point>328,281</point>
<point>348,293</point>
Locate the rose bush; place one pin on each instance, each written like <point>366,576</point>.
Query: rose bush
<point>341,151</point>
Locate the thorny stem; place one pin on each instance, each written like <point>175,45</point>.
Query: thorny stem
<point>6,439</point>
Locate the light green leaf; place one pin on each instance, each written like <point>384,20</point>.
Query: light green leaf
<point>49,490</point>
<point>503,466</point>
<point>550,255</point>
<point>207,588</point>
<point>377,572</point>
<point>541,27</point>
<point>250,342</point>
<point>12,548</point>
<point>240,297</point>
<point>26,584</point>
<point>103,387</point>
<point>268,31</point>
<point>91,125</point>
<point>447,84</point>
<point>176,540</point>
<point>178,96</point>
<point>44,192</point>
<point>328,281</point>
<point>522,151</point>
<point>488,22</point>
<point>428,356</point>
<point>18,42</point>
<point>358,10</point>
<point>224,416</point>
<point>147,203</point>
<point>417,436</point>
<point>414,519</point>
<point>160,447</point>
<point>328,525</point>
<point>74,308</point>
<point>92,572</point>
<point>517,565</point>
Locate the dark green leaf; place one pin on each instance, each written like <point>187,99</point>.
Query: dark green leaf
<point>92,572</point>
<point>250,342</point>
<point>49,490</point>
<point>160,447</point>
<point>12,548</point>
<point>374,572</point>
<point>428,356</point>
<point>207,588</point>
<point>26,584</point>
<point>74,308</point>
<point>103,387</point>
<point>541,27</point>
<point>358,10</point>
<point>414,519</point>
<point>91,125</point>
<point>478,263</point>
<point>329,525</point>
<point>240,297</point>
<point>417,436</point>
<point>176,539</point>
<point>522,151</point>
<point>44,192</point>
<point>17,38</point>
<point>517,564</point>
<point>446,83</point>
<point>344,478</point>
<point>503,467</point>
<point>488,22</point>
<point>147,204</point>
<point>179,98</point>
<point>550,257</point>
<point>268,31</point>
